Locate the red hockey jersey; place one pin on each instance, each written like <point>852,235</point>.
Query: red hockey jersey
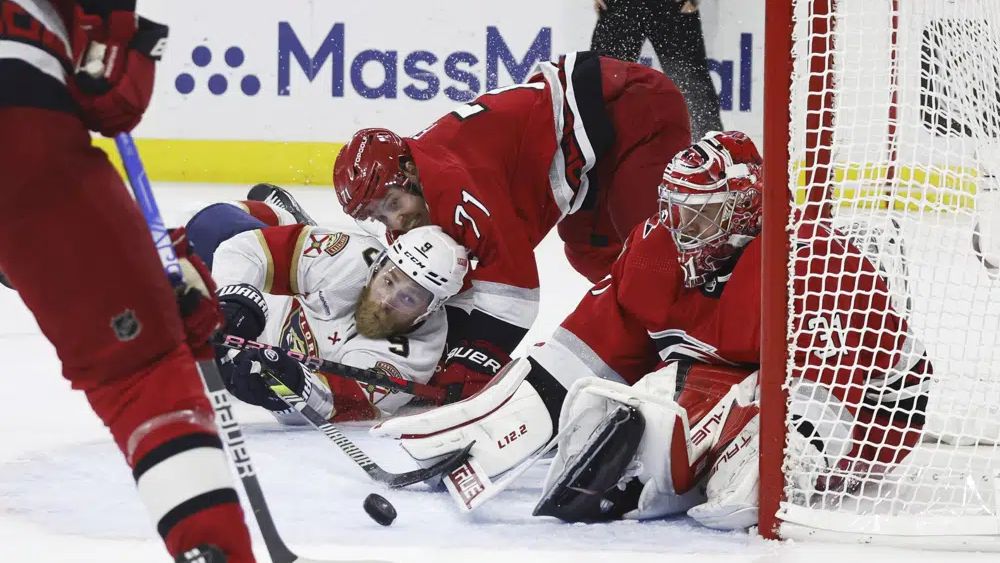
<point>502,170</point>
<point>848,335</point>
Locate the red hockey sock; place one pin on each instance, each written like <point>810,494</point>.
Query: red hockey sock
<point>262,212</point>
<point>163,423</point>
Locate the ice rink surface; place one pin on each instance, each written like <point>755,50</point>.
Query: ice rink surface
<point>66,495</point>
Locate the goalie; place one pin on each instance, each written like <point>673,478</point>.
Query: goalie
<point>652,380</point>
<point>335,293</point>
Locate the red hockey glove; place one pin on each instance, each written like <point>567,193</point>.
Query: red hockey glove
<point>468,367</point>
<point>196,299</point>
<point>114,56</point>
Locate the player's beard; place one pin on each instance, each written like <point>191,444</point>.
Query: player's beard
<point>411,221</point>
<point>373,321</point>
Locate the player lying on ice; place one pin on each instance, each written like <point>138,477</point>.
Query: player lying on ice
<point>652,380</point>
<point>336,293</point>
<point>582,143</point>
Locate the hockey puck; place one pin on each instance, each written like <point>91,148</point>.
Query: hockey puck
<point>380,509</point>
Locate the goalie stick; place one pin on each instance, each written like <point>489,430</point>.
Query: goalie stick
<point>230,429</point>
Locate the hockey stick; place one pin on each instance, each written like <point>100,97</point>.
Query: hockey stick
<point>315,363</point>
<point>357,455</point>
<point>228,425</point>
<point>318,421</point>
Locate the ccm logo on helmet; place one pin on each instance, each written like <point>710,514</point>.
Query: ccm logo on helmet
<point>423,250</point>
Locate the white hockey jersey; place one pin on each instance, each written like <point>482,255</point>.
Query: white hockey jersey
<point>312,277</point>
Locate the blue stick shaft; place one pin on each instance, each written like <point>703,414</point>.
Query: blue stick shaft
<point>229,429</point>
<point>136,173</point>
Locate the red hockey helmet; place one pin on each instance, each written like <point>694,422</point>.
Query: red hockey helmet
<point>367,166</point>
<point>710,200</point>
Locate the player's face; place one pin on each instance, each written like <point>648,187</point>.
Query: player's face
<point>390,303</point>
<point>693,224</point>
<point>400,211</point>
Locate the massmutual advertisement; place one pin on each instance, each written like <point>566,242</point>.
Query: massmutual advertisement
<point>255,90</point>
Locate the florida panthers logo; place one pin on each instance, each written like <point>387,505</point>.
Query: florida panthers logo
<point>376,393</point>
<point>296,332</point>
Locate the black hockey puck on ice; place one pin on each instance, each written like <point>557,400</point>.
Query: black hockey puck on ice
<point>380,509</point>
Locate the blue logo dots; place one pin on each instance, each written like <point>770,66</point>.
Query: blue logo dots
<point>217,82</point>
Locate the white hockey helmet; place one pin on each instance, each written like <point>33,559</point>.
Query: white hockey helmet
<point>430,258</point>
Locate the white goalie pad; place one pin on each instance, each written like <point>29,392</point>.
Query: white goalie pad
<point>733,483</point>
<point>592,399</point>
<point>507,420</point>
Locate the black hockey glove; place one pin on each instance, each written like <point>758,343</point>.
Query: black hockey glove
<point>250,376</point>
<point>244,309</point>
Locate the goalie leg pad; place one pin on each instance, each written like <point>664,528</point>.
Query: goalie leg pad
<point>648,478</point>
<point>507,421</point>
<point>587,490</point>
<point>733,481</point>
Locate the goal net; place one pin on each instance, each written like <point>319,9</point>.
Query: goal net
<point>893,142</point>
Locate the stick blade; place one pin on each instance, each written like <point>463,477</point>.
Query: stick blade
<point>446,465</point>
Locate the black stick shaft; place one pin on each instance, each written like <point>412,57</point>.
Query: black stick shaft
<point>327,367</point>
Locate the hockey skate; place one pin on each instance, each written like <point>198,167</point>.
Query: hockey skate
<point>269,193</point>
<point>202,554</point>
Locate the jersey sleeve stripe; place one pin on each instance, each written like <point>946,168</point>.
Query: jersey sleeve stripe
<point>568,359</point>
<point>583,129</point>
<point>269,261</point>
<point>283,246</point>
<point>293,270</point>
<point>514,305</point>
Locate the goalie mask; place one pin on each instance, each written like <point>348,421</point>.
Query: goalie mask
<point>710,201</point>
<point>419,271</point>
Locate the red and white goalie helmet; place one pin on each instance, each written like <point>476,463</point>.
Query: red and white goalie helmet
<point>367,167</point>
<point>432,261</point>
<point>710,201</point>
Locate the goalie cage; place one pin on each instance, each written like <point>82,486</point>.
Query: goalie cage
<point>883,117</point>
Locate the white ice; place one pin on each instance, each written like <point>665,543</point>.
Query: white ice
<point>66,495</point>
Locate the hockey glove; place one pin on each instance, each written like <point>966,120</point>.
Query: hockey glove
<point>196,298</point>
<point>115,54</point>
<point>244,309</point>
<point>250,376</point>
<point>468,367</point>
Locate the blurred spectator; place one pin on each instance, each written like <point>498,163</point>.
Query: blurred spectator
<point>674,29</point>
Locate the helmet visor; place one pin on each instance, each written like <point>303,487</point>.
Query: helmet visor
<point>390,286</point>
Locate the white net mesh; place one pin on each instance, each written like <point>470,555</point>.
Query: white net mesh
<point>914,104</point>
